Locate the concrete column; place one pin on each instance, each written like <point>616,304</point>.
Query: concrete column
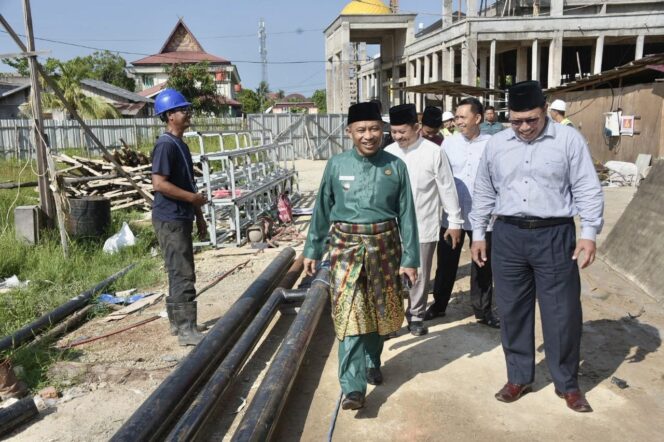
<point>640,40</point>
<point>346,56</point>
<point>435,66</point>
<point>535,62</point>
<point>392,98</point>
<point>555,60</point>
<point>329,83</point>
<point>557,8</point>
<point>447,13</point>
<point>468,61</point>
<point>599,55</point>
<point>521,63</point>
<point>483,56</point>
<point>448,73</point>
<point>492,69</point>
<point>471,8</point>
<point>418,81</point>
<point>427,68</point>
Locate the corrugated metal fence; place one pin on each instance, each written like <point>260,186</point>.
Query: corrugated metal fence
<point>16,140</point>
<point>313,136</point>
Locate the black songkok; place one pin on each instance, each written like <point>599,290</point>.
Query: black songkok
<point>403,114</point>
<point>525,96</point>
<point>363,112</point>
<point>432,117</point>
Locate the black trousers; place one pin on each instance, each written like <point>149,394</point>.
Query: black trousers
<point>481,278</point>
<point>531,264</point>
<point>175,240</point>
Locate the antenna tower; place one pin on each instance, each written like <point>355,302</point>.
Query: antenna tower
<point>262,36</point>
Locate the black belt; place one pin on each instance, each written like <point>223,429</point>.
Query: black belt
<point>530,222</point>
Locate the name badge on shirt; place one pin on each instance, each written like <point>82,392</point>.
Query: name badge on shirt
<point>346,178</point>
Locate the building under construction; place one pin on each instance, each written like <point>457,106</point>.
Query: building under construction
<point>484,43</point>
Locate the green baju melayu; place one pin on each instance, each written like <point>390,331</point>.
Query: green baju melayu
<point>365,207</point>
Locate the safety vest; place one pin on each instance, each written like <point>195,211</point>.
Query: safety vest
<point>567,122</point>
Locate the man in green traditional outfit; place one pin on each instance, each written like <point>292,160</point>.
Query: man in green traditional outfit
<point>365,206</point>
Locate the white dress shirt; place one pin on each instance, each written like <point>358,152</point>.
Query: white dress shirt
<point>432,184</point>
<point>464,156</point>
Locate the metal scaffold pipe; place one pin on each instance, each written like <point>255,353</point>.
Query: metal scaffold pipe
<point>263,413</point>
<point>156,415</point>
<point>53,317</point>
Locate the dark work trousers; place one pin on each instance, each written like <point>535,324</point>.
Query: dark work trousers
<point>537,263</point>
<point>177,248</point>
<point>481,279</point>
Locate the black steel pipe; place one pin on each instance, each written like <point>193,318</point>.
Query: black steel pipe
<point>156,415</point>
<point>29,332</point>
<point>196,416</point>
<point>208,399</point>
<point>263,413</point>
<point>16,414</point>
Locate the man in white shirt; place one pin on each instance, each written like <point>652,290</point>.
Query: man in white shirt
<point>433,187</point>
<point>464,151</point>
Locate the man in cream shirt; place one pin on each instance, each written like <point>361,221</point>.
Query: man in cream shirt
<point>433,187</point>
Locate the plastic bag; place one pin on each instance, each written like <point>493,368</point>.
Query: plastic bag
<point>284,209</point>
<point>123,238</point>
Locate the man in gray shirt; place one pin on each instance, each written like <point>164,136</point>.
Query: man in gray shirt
<point>534,178</point>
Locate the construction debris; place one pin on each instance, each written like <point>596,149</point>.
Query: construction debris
<point>98,177</point>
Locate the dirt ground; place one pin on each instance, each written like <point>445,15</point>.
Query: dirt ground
<point>437,387</point>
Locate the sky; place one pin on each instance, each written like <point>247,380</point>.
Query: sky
<point>137,28</point>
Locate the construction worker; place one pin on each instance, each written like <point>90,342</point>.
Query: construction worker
<point>365,198</point>
<point>448,124</point>
<point>557,111</point>
<point>177,203</point>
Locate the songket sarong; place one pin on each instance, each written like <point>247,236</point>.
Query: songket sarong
<point>365,287</point>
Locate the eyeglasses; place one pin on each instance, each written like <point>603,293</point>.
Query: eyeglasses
<point>528,121</point>
<point>183,109</point>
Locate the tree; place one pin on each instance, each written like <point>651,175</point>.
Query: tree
<point>320,100</point>
<point>250,101</point>
<point>110,68</point>
<point>262,91</point>
<point>197,85</point>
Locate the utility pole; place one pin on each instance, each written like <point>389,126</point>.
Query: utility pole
<point>262,49</point>
<point>46,201</point>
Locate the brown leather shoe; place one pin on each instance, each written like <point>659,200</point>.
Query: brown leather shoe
<point>576,401</point>
<point>512,392</point>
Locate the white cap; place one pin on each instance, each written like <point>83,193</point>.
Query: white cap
<point>559,105</point>
<point>447,115</point>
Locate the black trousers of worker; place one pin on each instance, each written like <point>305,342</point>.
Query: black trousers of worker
<point>481,279</point>
<point>530,264</point>
<point>175,241</point>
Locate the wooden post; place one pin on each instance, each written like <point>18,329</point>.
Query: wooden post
<point>46,201</point>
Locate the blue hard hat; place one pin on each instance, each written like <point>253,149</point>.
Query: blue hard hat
<point>169,99</point>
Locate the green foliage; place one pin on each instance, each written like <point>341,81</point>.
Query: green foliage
<point>197,85</point>
<point>262,92</point>
<point>110,68</point>
<point>20,64</point>
<point>250,101</point>
<point>320,99</point>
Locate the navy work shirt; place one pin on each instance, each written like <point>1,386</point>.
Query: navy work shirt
<point>171,158</point>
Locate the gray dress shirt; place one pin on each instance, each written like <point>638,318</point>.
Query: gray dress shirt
<point>549,177</point>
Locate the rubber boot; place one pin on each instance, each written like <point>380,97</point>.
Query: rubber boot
<point>10,386</point>
<point>184,314</point>
<point>173,327</point>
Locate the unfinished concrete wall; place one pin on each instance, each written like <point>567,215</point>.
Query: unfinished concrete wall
<point>635,246</point>
<point>586,109</point>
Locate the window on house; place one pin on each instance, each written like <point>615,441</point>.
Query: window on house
<point>148,81</point>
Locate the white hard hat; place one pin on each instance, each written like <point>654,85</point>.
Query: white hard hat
<point>559,105</point>
<point>447,115</point>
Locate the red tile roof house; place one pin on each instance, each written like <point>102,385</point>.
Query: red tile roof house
<point>181,47</point>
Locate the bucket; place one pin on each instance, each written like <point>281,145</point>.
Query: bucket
<point>88,216</point>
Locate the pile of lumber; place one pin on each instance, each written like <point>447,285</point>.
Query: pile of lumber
<point>83,177</point>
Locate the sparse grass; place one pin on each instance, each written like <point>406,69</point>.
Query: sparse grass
<point>55,279</point>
